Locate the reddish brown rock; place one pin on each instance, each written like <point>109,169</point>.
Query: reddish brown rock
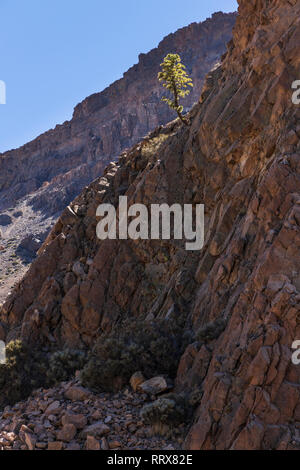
<point>77,393</point>
<point>56,445</point>
<point>92,443</point>
<point>30,440</point>
<point>240,157</point>
<point>98,429</point>
<point>53,409</point>
<point>35,430</point>
<point>78,420</point>
<point>67,433</point>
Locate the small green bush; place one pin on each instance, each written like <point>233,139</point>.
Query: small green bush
<point>176,80</point>
<point>27,369</point>
<point>64,364</point>
<point>168,412</point>
<point>23,371</point>
<point>151,347</point>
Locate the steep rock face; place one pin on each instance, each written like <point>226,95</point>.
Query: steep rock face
<point>41,178</point>
<point>108,122</point>
<point>240,157</point>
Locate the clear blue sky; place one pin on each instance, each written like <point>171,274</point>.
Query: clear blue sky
<point>54,53</point>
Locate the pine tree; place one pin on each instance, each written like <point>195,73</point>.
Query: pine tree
<point>177,81</point>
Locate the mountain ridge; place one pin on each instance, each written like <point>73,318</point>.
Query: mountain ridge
<point>83,139</point>
<point>240,295</point>
<point>38,180</point>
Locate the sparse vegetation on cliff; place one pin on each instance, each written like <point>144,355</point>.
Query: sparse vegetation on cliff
<point>171,411</point>
<point>27,369</point>
<point>151,347</point>
<point>165,413</point>
<point>23,371</point>
<point>64,364</point>
<point>176,80</point>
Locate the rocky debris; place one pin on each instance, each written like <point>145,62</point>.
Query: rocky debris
<point>47,420</point>
<point>56,445</point>
<point>53,409</point>
<point>18,250</point>
<point>30,440</point>
<point>67,433</point>
<point>92,443</point>
<point>77,393</point>
<point>97,430</point>
<point>78,420</point>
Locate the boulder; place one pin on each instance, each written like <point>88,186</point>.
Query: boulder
<point>77,393</point>
<point>98,429</point>
<point>56,445</point>
<point>53,409</point>
<point>156,385</point>
<point>67,433</point>
<point>92,443</point>
<point>30,440</point>
<point>78,420</point>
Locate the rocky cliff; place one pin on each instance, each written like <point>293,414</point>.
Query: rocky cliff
<point>38,180</point>
<point>239,295</point>
<point>106,123</point>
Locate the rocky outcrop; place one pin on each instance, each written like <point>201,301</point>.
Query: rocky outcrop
<point>51,420</point>
<point>41,178</point>
<point>63,160</point>
<point>240,157</point>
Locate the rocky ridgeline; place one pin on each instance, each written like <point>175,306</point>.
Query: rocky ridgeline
<point>70,417</point>
<point>42,177</point>
<point>237,301</point>
<point>59,163</point>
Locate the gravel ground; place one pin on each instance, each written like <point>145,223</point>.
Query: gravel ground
<point>70,417</point>
<point>25,222</point>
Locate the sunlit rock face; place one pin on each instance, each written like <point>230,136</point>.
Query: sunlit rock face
<point>62,161</point>
<point>41,178</point>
